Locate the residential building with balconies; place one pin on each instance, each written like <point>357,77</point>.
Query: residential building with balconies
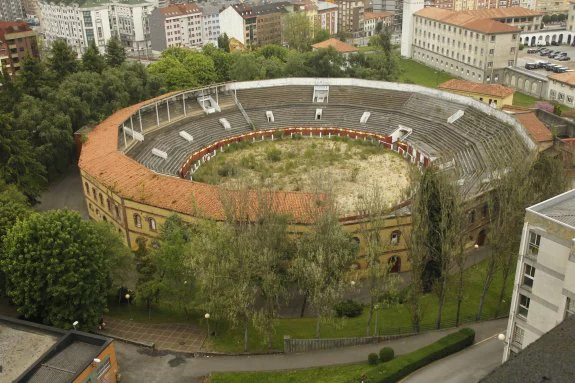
<point>17,41</point>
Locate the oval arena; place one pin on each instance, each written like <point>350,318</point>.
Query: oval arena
<point>138,165</point>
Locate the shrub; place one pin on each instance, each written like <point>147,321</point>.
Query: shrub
<point>274,155</point>
<point>372,359</point>
<point>400,367</point>
<point>227,170</point>
<point>386,354</point>
<point>349,308</point>
<point>521,47</point>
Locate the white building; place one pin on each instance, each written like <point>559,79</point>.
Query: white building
<point>407,29</point>
<point>372,19</point>
<point>210,24</point>
<point>11,10</point>
<point>562,88</point>
<point>544,289</point>
<point>176,26</point>
<point>81,24</point>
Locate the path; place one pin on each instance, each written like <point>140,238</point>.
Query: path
<point>142,365</point>
<point>65,193</point>
<point>466,366</point>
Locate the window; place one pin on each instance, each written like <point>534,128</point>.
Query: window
<point>510,63</point>
<point>117,209</point>
<point>569,307</point>
<point>87,187</point>
<point>94,192</point>
<point>109,204</point>
<point>491,51</point>
<point>137,220</point>
<point>101,199</point>
<point>395,237</point>
<point>152,223</point>
<point>513,37</point>
<point>489,64</point>
<point>518,335</point>
<point>534,241</point>
<point>492,38</point>
<point>512,50</point>
<point>528,275</point>
<point>523,309</point>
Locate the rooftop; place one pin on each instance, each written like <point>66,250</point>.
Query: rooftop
<point>376,15</point>
<point>536,129</point>
<point>323,5</point>
<point>179,10</point>
<point>250,10</point>
<point>548,359</point>
<point>469,20</point>
<point>495,90</point>
<point>339,46</point>
<point>565,77</point>
<point>560,209</point>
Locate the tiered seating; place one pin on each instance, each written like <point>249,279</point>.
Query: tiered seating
<point>282,95</point>
<point>423,105</point>
<point>368,98</point>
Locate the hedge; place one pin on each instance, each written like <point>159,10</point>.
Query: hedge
<point>399,368</point>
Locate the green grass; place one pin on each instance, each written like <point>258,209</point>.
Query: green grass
<point>522,99</point>
<point>413,72</point>
<point>390,371</point>
<point>391,320</point>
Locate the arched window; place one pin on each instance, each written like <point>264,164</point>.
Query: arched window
<point>101,199</point>
<point>137,220</point>
<point>109,204</point>
<point>87,187</point>
<point>104,218</point>
<point>94,192</point>
<point>395,235</point>
<point>152,223</point>
<point>117,211</point>
<point>472,216</point>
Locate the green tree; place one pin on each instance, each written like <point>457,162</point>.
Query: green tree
<point>224,42</point>
<point>57,267</point>
<point>147,282</point>
<point>32,77</point>
<point>115,52</point>
<point>182,68</point>
<point>63,60</point>
<point>222,61</point>
<point>92,60</point>
<point>297,31</point>
<point>321,35</point>
<point>325,63</point>
<point>247,66</point>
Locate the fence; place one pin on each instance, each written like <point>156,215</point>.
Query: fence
<point>388,333</point>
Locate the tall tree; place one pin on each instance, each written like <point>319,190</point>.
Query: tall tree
<point>63,60</point>
<point>298,31</point>
<point>92,60</point>
<point>32,77</point>
<point>57,268</point>
<point>224,42</point>
<point>115,52</point>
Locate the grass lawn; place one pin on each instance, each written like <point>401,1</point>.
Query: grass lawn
<point>415,73</point>
<point>522,99</point>
<point>334,374</point>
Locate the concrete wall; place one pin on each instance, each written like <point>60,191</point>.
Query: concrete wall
<point>232,24</point>
<point>526,82</point>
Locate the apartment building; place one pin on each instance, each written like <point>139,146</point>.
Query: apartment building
<point>254,24</point>
<point>176,26</point>
<point>79,25</point>
<point>327,17</point>
<point>544,289</point>
<point>372,19</point>
<point>17,41</point>
<point>552,7</point>
<point>210,24</point>
<point>470,5</point>
<point>561,88</point>
<point>350,15</point>
<point>474,45</point>
<point>11,10</point>
<point>571,17</point>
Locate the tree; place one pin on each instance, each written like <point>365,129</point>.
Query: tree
<point>92,60</point>
<point>325,63</point>
<point>115,52</point>
<point>382,40</point>
<point>224,42</point>
<point>147,282</point>
<point>32,77</point>
<point>247,67</point>
<point>321,35</point>
<point>183,68</point>
<point>63,60</point>
<point>298,31</point>
<point>222,61</point>
<point>57,268</point>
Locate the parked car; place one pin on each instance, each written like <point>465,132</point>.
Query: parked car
<point>551,66</point>
<point>542,64</point>
<point>531,66</point>
<point>559,69</point>
<point>533,50</point>
<point>564,58</point>
<point>545,52</point>
<point>555,43</point>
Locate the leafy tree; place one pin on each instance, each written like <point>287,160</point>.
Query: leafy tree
<point>222,61</point>
<point>92,60</point>
<point>57,268</point>
<point>321,35</point>
<point>115,52</point>
<point>298,31</point>
<point>63,60</point>
<point>382,40</point>
<point>182,68</point>
<point>246,67</point>
<point>224,42</point>
<point>9,92</point>
<point>325,63</point>
<point>147,282</point>
<point>273,51</point>
<point>32,77</point>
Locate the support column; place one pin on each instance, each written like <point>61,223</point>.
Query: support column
<point>217,99</point>
<point>157,115</point>
<point>124,131</point>
<point>140,116</point>
<point>131,123</point>
<point>184,102</point>
<point>168,107</point>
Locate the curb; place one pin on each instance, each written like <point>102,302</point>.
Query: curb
<point>151,345</point>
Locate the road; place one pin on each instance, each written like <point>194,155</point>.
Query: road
<point>467,366</point>
<point>142,365</point>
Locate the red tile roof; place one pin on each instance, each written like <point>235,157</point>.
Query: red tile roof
<point>467,20</point>
<point>495,90</point>
<point>565,77</point>
<point>536,129</point>
<point>339,46</point>
<point>179,10</point>
<point>131,180</point>
<point>376,15</point>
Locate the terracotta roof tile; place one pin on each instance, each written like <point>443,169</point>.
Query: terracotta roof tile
<point>472,87</point>
<point>339,46</point>
<point>129,179</point>
<point>536,129</point>
<point>565,77</point>
<point>179,10</point>
<point>467,20</point>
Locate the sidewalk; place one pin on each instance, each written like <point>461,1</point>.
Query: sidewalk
<point>138,365</point>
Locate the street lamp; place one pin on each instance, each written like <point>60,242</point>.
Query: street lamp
<point>476,246</point>
<point>129,305</point>
<point>207,316</point>
<point>75,324</point>
<point>501,337</point>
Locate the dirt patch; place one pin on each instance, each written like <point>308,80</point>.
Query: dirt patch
<point>352,168</point>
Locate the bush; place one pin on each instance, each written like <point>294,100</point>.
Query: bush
<point>386,354</point>
<point>274,155</point>
<point>349,308</point>
<point>372,359</point>
<point>521,47</point>
<point>404,365</point>
<point>227,170</point>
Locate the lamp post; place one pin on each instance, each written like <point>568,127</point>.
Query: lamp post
<point>129,305</point>
<point>207,316</point>
<point>75,324</point>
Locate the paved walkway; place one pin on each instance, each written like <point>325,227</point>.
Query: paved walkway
<point>142,365</point>
<point>178,337</point>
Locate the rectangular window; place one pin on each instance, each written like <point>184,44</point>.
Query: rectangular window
<point>528,275</point>
<point>569,307</point>
<point>534,241</point>
<point>510,63</point>
<point>489,64</point>
<point>492,39</point>
<point>518,335</point>
<point>523,308</point>
<point>491,51</point>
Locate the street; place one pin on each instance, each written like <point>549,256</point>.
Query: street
<point>467,366</point>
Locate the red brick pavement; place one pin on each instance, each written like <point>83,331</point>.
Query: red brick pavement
<point>179,337</point>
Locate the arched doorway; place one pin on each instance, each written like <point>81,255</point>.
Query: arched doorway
<point>554,38</point>
<point>547,38</point>
<point>532,40</point>
<point>560,38</point>
<point>569,39</point>
<point>527,86</point>
<point>394,263</point>
<point>481,238</point>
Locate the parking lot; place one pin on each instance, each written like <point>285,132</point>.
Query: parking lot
<point>525,57</point>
